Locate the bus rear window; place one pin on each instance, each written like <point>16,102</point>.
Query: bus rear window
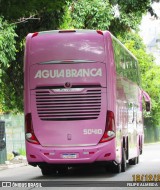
<point>85,47</point>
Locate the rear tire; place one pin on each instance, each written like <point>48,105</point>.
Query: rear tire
<point>133,161</point>
<point>137,159</point>
<point>46,171</point>
<point>62,170</point>
<point>117,168</point>
<point>123,164</point>
<point>121,167</point>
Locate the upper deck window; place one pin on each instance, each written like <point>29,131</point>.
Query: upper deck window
<point>67,46</point>
<point>126,64</point>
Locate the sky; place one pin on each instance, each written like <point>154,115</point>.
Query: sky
<point>150,32</point>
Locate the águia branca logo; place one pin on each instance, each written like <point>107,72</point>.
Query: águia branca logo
<point>69,73</point>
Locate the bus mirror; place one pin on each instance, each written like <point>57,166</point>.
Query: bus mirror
<point>147,101</point>
<point>148,106</point>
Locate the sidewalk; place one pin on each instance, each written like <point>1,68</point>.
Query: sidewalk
<point>17,161</point>
<point>152,143</point>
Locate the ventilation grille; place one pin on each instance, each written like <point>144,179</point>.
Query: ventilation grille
<point>68,106</point>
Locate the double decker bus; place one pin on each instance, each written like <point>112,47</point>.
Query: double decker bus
<point>82,101</point>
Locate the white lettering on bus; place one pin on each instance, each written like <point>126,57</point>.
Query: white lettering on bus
<point>92,131</point>
<point>45,74</point>
<point>70,73</point>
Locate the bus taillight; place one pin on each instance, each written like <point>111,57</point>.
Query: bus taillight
<point>99,32</point>
<point>65,31</point>
<point>110,128</point>
<point>29,132</point>
<point>35,34</point>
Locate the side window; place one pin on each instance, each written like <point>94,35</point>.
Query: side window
<point>130,68</point>
<point>116,55</point>
<point>118,58</point>
<point>122,62</point>
<point>134,71</point>
<point>126,65</point>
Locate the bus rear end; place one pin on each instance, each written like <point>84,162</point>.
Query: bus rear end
<point>66,117</point>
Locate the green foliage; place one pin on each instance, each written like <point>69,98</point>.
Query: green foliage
<point>7,43</point>
<point>152,78</point>
<point>15,9</point>
<point>100,14</point>
<point>50,14</point>
<point>7,55</point>
<point>91,14</point>
<point>131,13</point>
<point>66,19</point>
<point>22,152</point>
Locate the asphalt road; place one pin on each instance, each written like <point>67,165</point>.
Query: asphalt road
<point>149,166</point>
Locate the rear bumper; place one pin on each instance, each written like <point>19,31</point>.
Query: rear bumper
<point>60,155</point>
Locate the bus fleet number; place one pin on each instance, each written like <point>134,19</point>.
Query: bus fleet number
<point>92,131</point>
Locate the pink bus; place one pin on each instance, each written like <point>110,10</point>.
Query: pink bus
<point>83,101</point>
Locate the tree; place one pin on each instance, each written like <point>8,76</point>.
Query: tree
<point>14,10</point>
<point>117,16</point>
<point>130,15</point>
<point>7,54</point>
<point>28,16</point>
<point>7,43</point>
<point>91,14</point>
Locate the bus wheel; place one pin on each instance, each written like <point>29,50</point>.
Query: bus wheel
<point>137,159</point>
<point>47,171</point>
<point>62,170</point>
<point>133,161</point>
<point>116,168</point>
<point>123,164</point>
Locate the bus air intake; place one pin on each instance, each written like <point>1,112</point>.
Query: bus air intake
<point>68,106</point>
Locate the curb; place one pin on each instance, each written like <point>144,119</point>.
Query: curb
<point>12,165</point>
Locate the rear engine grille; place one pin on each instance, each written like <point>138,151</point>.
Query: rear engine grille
<point>68,106</point>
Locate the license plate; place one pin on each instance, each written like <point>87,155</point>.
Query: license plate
<point>69,156</point>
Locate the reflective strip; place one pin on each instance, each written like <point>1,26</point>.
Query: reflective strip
<point>70,145</point>
<point>66,61</point>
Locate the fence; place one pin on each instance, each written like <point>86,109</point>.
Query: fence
<point>3,152</point>
<point>15,139</point>
<point>151,134</point>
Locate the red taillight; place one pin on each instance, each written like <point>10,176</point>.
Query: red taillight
<point>64,31</point>
<point>32,156</point>
<point>110,128</point>
<point>35,34</point>
<point>29,132</point>
<point>99,32</point>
